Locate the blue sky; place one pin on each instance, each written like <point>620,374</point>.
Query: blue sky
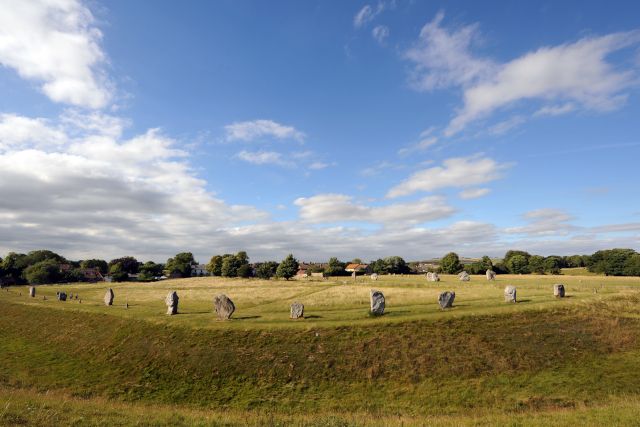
<point>349,129</point>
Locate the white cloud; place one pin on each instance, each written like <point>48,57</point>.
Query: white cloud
<point>442,58</point>
<point>262,157</point>
<point>575,72</point>
<point>17,131</point>
<point>455,172</point>
<point>380,33</point>
<point>427,139</point>
<point>368,13</point>
<point>55,43</point>
<point>327,208</point>
<point>92,191</point>
<point>319,165</point>
<point>545,222</point>
<point>252,130</point>
<point>555,110</point>
<point>473,193</point>
<point>506,125</point>
<point>364,16</point>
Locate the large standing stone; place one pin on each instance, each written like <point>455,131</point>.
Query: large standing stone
<point>377,302</point>
<point>297,310</point>
<point>491,275</point>
<point>558,290</point>
<point>464,276</point>
<point>510,294</point>
<point>32,292</point>
<point>108,297</point>
<point>446,299</point>
<point>61,296</point>
<point>433,277</point>
<point>374,276</point>
<point>224,306</point>
<point>172,303</point>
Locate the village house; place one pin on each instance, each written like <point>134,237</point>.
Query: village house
<point>199,270</point>
<point>358,268</point>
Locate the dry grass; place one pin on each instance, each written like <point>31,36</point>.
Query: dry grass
<point>327,303</point>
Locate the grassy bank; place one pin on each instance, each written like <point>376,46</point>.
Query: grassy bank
<point>542,359</point>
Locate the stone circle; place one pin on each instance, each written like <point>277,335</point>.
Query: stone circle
<point>223,306</point>
<point>446,299</point>
<point>374,276</point>
<point>491,275</point>
<point>32,292</point>
<point>433,277</point>
<point>377,302</point>
<point>558,290</point>
<point>510,294</point>
<point>172,303</point>
<point>108,297</point>
<point>464,277</point>
<point>297,310</point>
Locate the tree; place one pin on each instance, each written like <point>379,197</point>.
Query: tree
<point>512,253</point>
<point>396,265</point>
<point>117,273</point>
<point>14,264</point>
<point>450,263</point>
<point>632,265</point>
<point>356,261</point>
<point>95,263</point>
<point>334,267</point>
<point>536,264</point>
<point>611,262</point>
<point>229,267</point>
<point>266,270</point>
<point>128,264</point>
<point>245,271</point>
<point>215,265</point>
<point>378,266</point>
<point>181,264</point>
<point>517,264</point>
<point>47,271</point>
<point>149,270</point>
<point>552,264</point>
<point>288,267</point>
<point>35,257</point>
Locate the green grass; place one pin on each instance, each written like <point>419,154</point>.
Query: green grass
<point>541,360</point>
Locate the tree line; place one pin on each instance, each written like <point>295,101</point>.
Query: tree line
<point>45,266</point>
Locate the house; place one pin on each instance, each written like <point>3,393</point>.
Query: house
<point>310,269</point>
<point>199,270</point>
<point>358,268</point>
<point>92,274</point>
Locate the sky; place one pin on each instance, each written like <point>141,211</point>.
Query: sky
<point>319,128</point>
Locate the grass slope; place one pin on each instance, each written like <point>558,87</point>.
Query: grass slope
<point>577,358</point>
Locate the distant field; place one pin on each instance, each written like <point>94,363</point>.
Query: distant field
<point>262,303</point>
<point>542,361</point>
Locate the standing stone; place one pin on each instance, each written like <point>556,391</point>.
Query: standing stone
<point>510,294</point>
<point>297,310</point>
<point>433,277</point>
<point>446,299</point>
<point>224,307</point>
<point>32,292</point>
<point>377,302</point>
<point>61,296</point>
<point>464,277</point>
<point>374,276</point>
<point>491,275</point>
<point>172,303</point>
<point>108,297</point>
<point>558,290</point>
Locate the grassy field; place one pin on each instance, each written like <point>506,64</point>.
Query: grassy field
<point>265,304</point>
<point>543,361</point>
